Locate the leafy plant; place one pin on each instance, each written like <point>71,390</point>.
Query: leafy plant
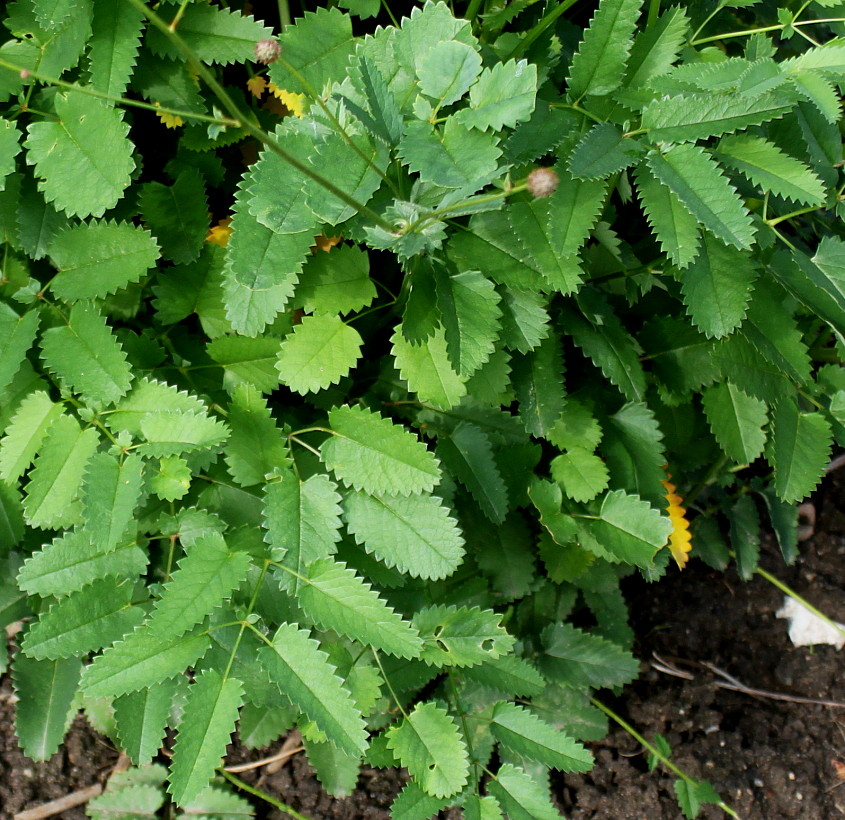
<point>353,457</point>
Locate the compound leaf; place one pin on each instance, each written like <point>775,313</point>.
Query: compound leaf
<point>208,720</point>
<point>427,742</point>
<point>83,158</point>
<point>370,453</point>
<point>413,533</point>
<point>524,733</point>
<point>336,598</point>
<point>303,673</point>
<point>86,356</point>
<point>95,259</point>
<point>319,352</point>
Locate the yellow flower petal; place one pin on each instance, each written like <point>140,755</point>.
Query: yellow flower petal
<point>220,233</point>
<point>680,540</point>
<point>295,103</point>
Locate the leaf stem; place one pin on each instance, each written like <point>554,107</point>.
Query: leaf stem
<point>92,92</point>
<point>656,752</point>
<point>800,212</point>
<point>267,798</point>
<point>796,24</point>
<point>387,683</point>
<point>252,129</point>
<point>801,600</point>
<point>545,22</point>
<point>472,10</point>
<point>284,14</point>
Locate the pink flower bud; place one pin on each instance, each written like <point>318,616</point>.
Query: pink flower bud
<point>24,73</point>
<point>542,182</point>
<point>267,51</point>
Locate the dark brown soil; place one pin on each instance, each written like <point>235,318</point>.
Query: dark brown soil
<point>769,760</point>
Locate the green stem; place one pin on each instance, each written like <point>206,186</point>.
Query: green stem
<point>653,12</point>
<point>580,110</point>
<point>252,129</point>
<point>801,600</point>
<point>481,200</point>
<point>472,10</point>
<point>791,215</point>
<point>267,798</point>
<point>764,29</point>
<point>250,609</point>
<point>388,685</point>
<point>284,14</point>
<point>91,92</point>
<point>656,752</point>
<point>534,34</point>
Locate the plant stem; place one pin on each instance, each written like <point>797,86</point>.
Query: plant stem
<point>653,12</point>
<point>764,29</point>
<point>252,129</point>
<point>656,752</point>
<point>284,14</point>
<point>800,212</point>
<point>803,601</point>
<point>267,798</point>
<point>534,34</point>
<point>92,92</point>
<point>472,10</point>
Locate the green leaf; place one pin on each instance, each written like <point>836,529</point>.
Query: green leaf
<point>692,795</point>
<point>320,351</point>
<point>54,483</point>
<point>468,455</point>
<point>336,598</point>
<point>427,369</point>
<point>799,450</point>
<point>9,149</point>
<point>115,38</point>
<point>38,222</point>
<point>427,742</point>
<point>144,659</point>
<point>381,117</point>
<point>601,336</point>
<point>17,334</point>
<point>656,47</point>
<point>98,258</point>
<point>302,672</point>
<point>12,526</point>
<point>336,771</point>
<point>521,796</point>
<point>675,226</point>
<point>111,492</point>
<point>769,168</point>
<point>525,320</point>
<point>70,562</point>
<point>603,150</point>
<point>461,636</point>
<point>218,802</point>
<point>85,621</point>
<point>454,157</point>
<point>247,362</point>
<point>207,576</point>
<point>599,64</point>
<point>136,802</point>
<point>415,534</point>
<point>745,535</point>
<point>578,659</point>
<point>501,97</point>
<point>68,155</point>
<point>86,356</point>
<point>448,71</point>
<point>141,718</point>
<point>208,721</point>
<point>692,175</point>
<point>737,421</point>
<point>177,215</point>
<point>509,674</point>
<point>717,287</point>
<point>630,529</point>
<point>318,47</point>
<point>336,282</point>
<point>171,432</point>
<point>256,446</point>
<point>524,733</point>
<point>482,808</point>
<point>538,382</point>
<point>581,473</point>
<point>691,117</point>
<point>150,396</point>
<point>412,803</point>
<point>302,519</point>
<point>45,691</point>
<point>25,432</point>
<point>370,453</point>
<point>215,35</point>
